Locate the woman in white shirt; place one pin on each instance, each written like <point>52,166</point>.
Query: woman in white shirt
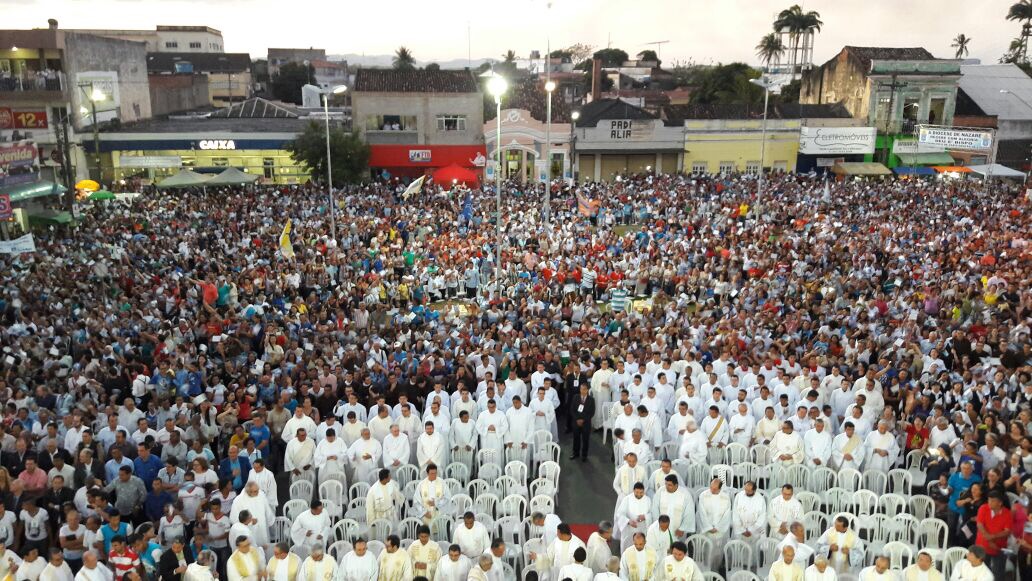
<point>203,475</point>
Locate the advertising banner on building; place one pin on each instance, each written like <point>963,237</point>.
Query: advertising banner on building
<point>955,138</point>
<point>150,161</point>
<point>100,89</point>
<point>25,243</point>
<point>628,129</point>
<point>19,163</point>
<point>837,140</point>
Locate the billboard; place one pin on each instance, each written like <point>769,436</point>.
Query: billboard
<point>836,140</point>
<point>948,138</point>
<point>19,163</point>
<point>101,87</point>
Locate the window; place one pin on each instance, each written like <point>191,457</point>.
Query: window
<point>269,167</point>
<point>752,167</point>
<point>700,167</point>
<point>391,123</point>
<point>195,45</point>
<point>220,161</point>
<point>451,122</point>
<point>171,44</point>
<point>727,167</point>
<point>780,166</point>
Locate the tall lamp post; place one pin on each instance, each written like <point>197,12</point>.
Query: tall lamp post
<point>329,158</point>
<point>549,87</point>
<point>766,84</point>
<point>94,96</point>
<point>573,147</point>
<point>496,86</point>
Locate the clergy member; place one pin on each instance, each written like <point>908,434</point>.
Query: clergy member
<point>383,500</point>
<point>492,428</point>
<point>678,566</point>
<point>300,454</point>
<point>331,455</point>
<point>245,564</point>
<point>677,503</point>
<point>471,536</point>
<point>394,562</point>
<point>633,515</point>
<point>454,566</point>
<point>749,518</point>
<point>396,449</point>
<point>817,445</point>
<point>820,571</point>
<point>639,562</point>
<point>424,554</point>
<point>364,455</point>
<point>847,450</point>
<point>879,571</point>
<point>786,447</point>
<point>785,568</point>
<point>431,447</point>
<point>266,482</point>
<point>358,565</point>
<point>253,501</point>
<point>317,567</point>
<point>311,527</point>
<point>713,518</point>
<point>842,547</point>
<point>881,449</point>
<point>599,552</point>
<point>922,570</point>
<point>432,495</point>
<point>560,552</point>
<point>284,565</point>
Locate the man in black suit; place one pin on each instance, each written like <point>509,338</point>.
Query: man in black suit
<point>173,562</point>
<point>15,461</point>
<point>582,409</point>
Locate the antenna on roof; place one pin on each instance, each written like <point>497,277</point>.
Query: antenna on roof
<point>659,47</point>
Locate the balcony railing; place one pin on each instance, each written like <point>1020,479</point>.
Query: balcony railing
<point>33,82</point>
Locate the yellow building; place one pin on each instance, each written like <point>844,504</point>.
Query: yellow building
<point>733,145</point>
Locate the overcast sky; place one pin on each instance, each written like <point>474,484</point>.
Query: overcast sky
<point>701,30</point>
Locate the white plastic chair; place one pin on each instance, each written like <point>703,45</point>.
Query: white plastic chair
<point>875,481</point>
<point>461,503</point>
<point>700,549</point>
<point>767,553</point>
<point>542,487</point>
<point>838,499</point>
<point>735,453</point>
<point>375,547</point>
<point>293,508</point>
<point>932,535</point>
<point>913,465</point>
<point>542,504</point>
<point>440,528</point>
<point>517,470</point>
<point>358,490</point>
<point>458,471</point>
<point>850,479</point>
<point>922,506</point>
<point>514,506</point>
<point>347,530</point>
<point>301,490</point>
<point>380,529</point>
<point>550,470</point>
<point>743,576</point>
<point>891,504</point>
<point>697,475</point>
<point>488,456</point>
<point>332,490</point>
<point>950,558</point>
<point>338,549</point>
<point>738,556</point>
<point>506,485</point>
<point>798,475</point>
<point>407,528</point>
<point>809,500</point>
<point>477,487</point>
<point>489,472</point>
<point>486,504</point>
<point>823,479</point>
<point>279,532</point>
<point>900,555</point>
<point>901,482</point>
<point>815,523</point>
<point>406,473</point>
<point>722,471</point>
<point>549,451</point>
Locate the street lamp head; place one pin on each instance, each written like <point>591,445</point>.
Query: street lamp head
<point>550,86</point>
<point>339,89</point>
<point>97,95</point>
<point>497,86</point>
<point>575,115</point>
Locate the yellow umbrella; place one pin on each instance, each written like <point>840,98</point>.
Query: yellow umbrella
<point>88,185</point>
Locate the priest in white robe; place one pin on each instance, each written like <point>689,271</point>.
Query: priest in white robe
<point>714,427</point>
<point>660,536</point>
<point>199,570</point>
<point>425,554</point>
<point>633,514</point>
<point>91,570</point>
<point>749,518</point>
<point>796,538</point>
<point>246,563</point>
<point>384,499</point>
<point>599,552</point>
<point>742,425</point>
<point>331,455</point>
<point>923,569</point>
<point>544,414</point>
<point>713,518</point>
<point>462,439</point>
<point>253,501</point>
<point>454,566</point>
<point>351,429</point>
<point>657,480</point>
<point>627,475</point>
<point>364,456</point>
<point>842,546</point>
<point>394,562</point>
<point>521,430</point>
<point>471,536</point>
<point>600,390</point>
<point>358,565</point>
<point>284,565</point>
<point>432,495</point>
<point>639,562</point>
<point>299,456</point>
<point>817,444</point>
<point>299,421</point>
<point>879,571</point>
<point>431,447</point>
<point>786,568</point>
<point>820,571</point>
<point>492,428</point>
<point>266,481</point>
<point>311,527</point>
<point>396,449</point>
<point>560,552</point>
<point>847,449</point>
<point>678,566</point>
<point>317,567</point>
<point>786,447</point>
<point>56,570</point>
<point>694,446</point>
<point>380,424</point>
<point>783,510</point>
<point>881,449</point>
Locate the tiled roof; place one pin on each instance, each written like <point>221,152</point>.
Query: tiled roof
<point>746,111</point>
<point>866,54</point>
<point>604,109</point>
<point>203,62</point>
<point>415,81</point>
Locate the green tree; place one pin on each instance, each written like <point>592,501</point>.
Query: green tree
<point>1022,11</point>
<point>508,65</point>
<point>649,55</point>
<point>960,42</point>
<point>403,59</point>
<point>611,57</point>
<point>727,84</point>
<point>286,84</point>
<point>797,23</point>
<point>770,49</point>
<point>790,92</point>
<point>349,153</point>
<point>575,52</point>
<point>433,67</point>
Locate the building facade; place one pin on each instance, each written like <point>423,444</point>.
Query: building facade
<point>229,74</point>
<point>278,57</point>
<point>166,38</point>
<point>613,138</point>
<point>523,146</point>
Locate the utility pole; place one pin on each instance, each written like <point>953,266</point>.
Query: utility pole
<point>892,86</point>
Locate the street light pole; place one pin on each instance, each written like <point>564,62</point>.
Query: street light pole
<point>765,83</point>
<point>497,85</point>
<point>329,158</point>
<point>549,87</point>
<point>573,147</point>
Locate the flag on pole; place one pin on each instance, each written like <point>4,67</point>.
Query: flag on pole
<point>286,248</point>
<point>414,187</point>
<point>586,206</point>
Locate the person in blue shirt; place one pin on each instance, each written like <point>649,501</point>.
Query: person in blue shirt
<point>112,466</point>
<point>235,468</point>
<point>156,501</point>
<point>959,483</point>
<point>147,466</point>
<point>260,433</point>
<point>114,527</point>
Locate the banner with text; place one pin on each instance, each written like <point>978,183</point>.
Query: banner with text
<point>837,140</point>
<point>955,138</point>
<point>19,163</point>
<point>25,243</point>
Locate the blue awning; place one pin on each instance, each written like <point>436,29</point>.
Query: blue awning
<point>908,170</point>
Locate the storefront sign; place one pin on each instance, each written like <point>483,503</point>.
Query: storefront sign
<point>955,138</point>
<point>6,118</point>
<point>5,207</point>
<point>216,144</point>
<point>836,140</point>
<point>25,243</point>
<point>828,161</point>
<point>419,155</point>
<point>151,161</point>
<point>629,129</point>
<point>911,146</point>
<point>19,163</point>
<point>30,119</point>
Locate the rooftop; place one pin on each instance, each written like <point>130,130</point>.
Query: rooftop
<point>866,54</point>
<point>256,108</point>
<point>983,85</point>
<point>746,111</point>
<point>203,62</point>
<point>415,81</point>
<point>605,109</point>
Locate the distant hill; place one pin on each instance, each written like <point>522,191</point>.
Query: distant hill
<point>386,60</point>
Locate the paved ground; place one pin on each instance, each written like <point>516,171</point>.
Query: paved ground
<point>586,494</point>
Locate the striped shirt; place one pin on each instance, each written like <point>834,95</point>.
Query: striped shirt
<point>619,299</point>
<point>124,562</point>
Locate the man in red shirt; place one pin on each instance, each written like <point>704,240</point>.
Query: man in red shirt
<point>994,530</point>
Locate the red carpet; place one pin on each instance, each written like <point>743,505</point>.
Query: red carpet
<point>582,532</point>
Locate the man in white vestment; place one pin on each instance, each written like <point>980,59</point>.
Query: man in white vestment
<point>266,481</point>
<point>317,567</point>
<point>253,501</point>
<point>329,424</point>
<point>284,565</point>
<point>796,538</point>
<point>351,429</point>
<point>660,536</point>
<point>879,571</point>
<point>439,416</point>
<point>766,427</point>
<point>462,439</point>
<point>786,568</point>
<point>842,546</point>
<point>633,515</point>
<point>881,449</point>
<point>817,445</point>
<point>380,425</point>
<point>299,421</point>
<point>923,569</point>
<point>638,446</point>
<point>383,499</point>
<point>92,570</point>
<point>395,563</point>
<point>786,447</point>
<point>749,518</point>
<point>577,571</point>
<point>847,449</point>
<point>300,455</point>
<point>431,447</point>
<point>432,495</point>
<point>492,428</point>
<point>783,511</point>
<point>599,552</point>
<point>820,570</point>
<point>678,566</point>
<point>331,455</point>
<point>601,391</point>
<point>396,450</point>
<point>57,569</point>
<point>676,502</point>
<point>694,446</point>
<point>482,570</point>
<point>8,558</point>
<point>454,566</point>
<point>544,414</point>
<point>471,536</point>
<point>676,425</point>
<point>497,554</point>
<point>245,564</point>
<point>742,425</point>
<point>521,430</point>
<point>358,565</point>
<point>713,518</point>
<point>639,562</point>
<point>311,527</point>
<point>424,554</point>
<point>714,427</point>
<point>560,552</point>
<point>612,572</point>
<point>364,456</point>
<point>200,570</point>
<point>657,480</point>
<point>972,567</point>
<point>627,475</point>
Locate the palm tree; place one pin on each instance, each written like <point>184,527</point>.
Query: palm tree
<point>403,59</point>
<point>770,48</point>
<point>798,23</point>
<point>509,56</point>
<point>1022,11</point>
<point>960,42</point>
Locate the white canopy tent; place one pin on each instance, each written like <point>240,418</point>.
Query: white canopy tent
<point>998,171</point>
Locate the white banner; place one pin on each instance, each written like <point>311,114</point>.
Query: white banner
<point>837,140</point>
<point>25,243</point>
<point>911,146</point>
<point>955,138</point>
<point>151,161</point>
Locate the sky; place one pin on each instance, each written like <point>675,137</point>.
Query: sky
<point>703,31</point>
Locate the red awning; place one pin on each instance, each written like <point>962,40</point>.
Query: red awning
<point>453,174</point>
<point>427,156</point>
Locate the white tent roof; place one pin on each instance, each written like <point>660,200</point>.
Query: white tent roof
<point>983,84</point>
<point>999,171</point>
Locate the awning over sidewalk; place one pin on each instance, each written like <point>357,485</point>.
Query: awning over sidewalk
<point>951,169</point>
<point>939,158</point>
<point>913,170</point>
<point>22,192</point>
<point>998,171</point>
<point>860,168</point>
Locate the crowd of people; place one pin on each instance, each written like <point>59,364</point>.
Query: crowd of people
<point>169,370</point>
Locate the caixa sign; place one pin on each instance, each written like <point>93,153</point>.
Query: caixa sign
<point>216,144</point>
